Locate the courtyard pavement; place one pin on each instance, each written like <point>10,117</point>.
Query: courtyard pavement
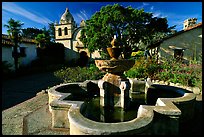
<point>22,96</point>
<point>18,90</point>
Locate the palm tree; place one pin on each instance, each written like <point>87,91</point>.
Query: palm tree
<point>14,31</point>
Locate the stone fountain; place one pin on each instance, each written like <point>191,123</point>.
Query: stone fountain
<point>114,86</point>
<point>90,107</point>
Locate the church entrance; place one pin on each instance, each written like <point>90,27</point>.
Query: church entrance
<point>83,59</point>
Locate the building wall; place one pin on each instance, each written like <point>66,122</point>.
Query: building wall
<point>31,54</point>
<point>7,55</point>
<point>76,40</point>
<point>70,42</point>
<point>189,40</point>
<point>70,54</point>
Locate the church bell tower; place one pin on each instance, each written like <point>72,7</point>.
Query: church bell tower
<point>64,33</point>
<point>66,26</point>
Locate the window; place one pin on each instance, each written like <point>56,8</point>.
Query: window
<point>22,51</point>
<point>65,31</point>
<point>59,32</point>
<point>178,54</point>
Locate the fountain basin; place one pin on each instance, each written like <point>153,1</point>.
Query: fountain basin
<point>114,66</point>
<point>63,96</point>
<point>79,125</point>
<point>166,111</point>
<point>149,121</point>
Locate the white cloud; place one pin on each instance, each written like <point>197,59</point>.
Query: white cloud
<point>15,9</point>
<point>80,16</point>
<point>143,5</point>
<point>84,13</point>
<point>4,15</point>
<point>156,14</point>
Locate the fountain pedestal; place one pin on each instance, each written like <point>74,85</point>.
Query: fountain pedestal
<point>114,87</point>
<point>114,96</point>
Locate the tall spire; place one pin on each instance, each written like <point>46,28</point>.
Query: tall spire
<point>67,10</point>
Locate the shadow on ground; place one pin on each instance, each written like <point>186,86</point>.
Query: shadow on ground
<point>17,90</point>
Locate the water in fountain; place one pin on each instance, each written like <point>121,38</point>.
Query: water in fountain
<point>94,111</point>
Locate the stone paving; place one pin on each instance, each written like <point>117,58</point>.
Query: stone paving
<point>17,90</point>
<point>31,117</point>
<point>19,99</point>
<point>12,118</point>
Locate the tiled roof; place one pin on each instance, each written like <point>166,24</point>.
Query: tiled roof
<point>194,26</point>
<point>7,41</point>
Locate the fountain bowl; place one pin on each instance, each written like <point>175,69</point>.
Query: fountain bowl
<point>114,66</point>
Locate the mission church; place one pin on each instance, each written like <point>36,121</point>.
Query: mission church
<point>67,33</point>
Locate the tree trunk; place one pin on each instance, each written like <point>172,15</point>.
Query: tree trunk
<point>15,51</point>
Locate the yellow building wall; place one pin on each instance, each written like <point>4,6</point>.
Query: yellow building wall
<point>69,28</point>
<point>189,40</point>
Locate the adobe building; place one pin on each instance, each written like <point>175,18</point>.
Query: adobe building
<point>67,33</point>
<point>185,44</point>
<point>26,51</point>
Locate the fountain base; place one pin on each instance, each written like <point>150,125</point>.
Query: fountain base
<point>164,116</point>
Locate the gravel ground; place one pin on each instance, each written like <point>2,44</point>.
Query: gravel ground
<point>12,118</point>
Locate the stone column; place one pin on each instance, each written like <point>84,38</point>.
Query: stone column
<point>106,96</point>
<point>124,97</point>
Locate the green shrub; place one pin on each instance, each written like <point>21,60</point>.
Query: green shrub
<point>170,70</point>
<point>7,72</point>
<point>78,74</point>
<point>143,68</point>
<point>177,72</point>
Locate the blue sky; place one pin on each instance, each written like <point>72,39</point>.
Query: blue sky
<point>39,14</point>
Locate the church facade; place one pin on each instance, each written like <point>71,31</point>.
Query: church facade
<point>67,33</point>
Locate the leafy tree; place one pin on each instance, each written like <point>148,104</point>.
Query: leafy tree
<point>129,25</point>
<point>14,29</point>
<point>31,32</point>
<point>41,39</point>
<point>52,31</point>
<point>47,34</point>
<point>44,38</point>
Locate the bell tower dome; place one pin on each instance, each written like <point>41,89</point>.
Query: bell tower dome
<point>66,17</point>
<point>66,26</point>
